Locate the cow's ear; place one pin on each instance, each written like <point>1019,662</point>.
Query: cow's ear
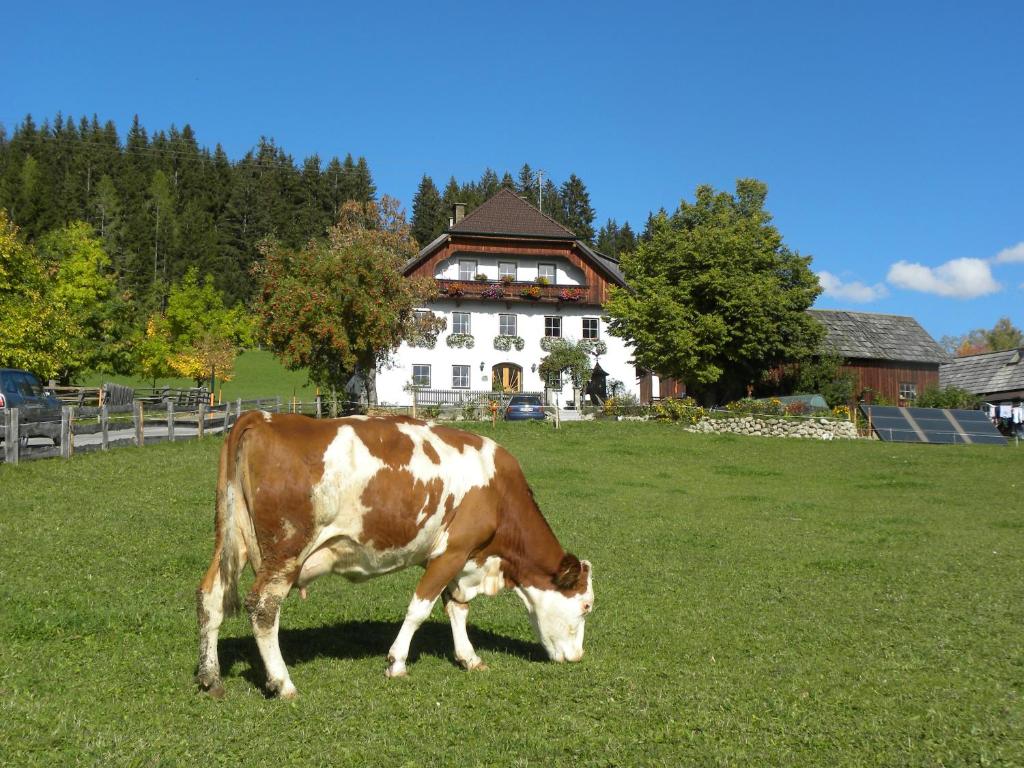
<point>569,571</point>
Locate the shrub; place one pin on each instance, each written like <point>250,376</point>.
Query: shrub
<point>543,281</point>
<point>950,397</point>
<point>480,277</point>
<point>464,340</point>
<point>505,343</point>
<point>684,410</point>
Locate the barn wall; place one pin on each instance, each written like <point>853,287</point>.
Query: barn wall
<point>885,377</point>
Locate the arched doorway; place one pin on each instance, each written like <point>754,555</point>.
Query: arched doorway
<point>507,377</point>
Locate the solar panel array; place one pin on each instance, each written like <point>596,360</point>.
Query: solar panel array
<point>932,425</point>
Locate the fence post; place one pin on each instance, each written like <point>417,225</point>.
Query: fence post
<point>334,403</point>
<point>201,420</point>
<point>104,427</point>
<point>67,435</point>
<point>238,409</point>
<point>12,437</point>
<point>137,416</point>
<point>277,404</point>
<point>414,391</point>
<point>170,420</point>
<point>319,407</point>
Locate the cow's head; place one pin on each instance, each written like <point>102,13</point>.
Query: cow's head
<point>559,613</point>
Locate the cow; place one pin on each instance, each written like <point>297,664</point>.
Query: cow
<point>364,496</point>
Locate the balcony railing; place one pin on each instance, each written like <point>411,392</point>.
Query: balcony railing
<point>495,290</point>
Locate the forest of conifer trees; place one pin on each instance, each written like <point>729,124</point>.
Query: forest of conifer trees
<point>162,203</point>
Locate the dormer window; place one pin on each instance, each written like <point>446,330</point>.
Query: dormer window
<point>507,269</point>
<point>547,271</point>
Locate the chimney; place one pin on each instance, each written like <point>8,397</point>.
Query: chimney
<point>458,213</point>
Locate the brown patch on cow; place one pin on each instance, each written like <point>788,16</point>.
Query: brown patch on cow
<point>384,440</point>
<point>458,439</point>
<point>263,608</point>
<point>394,499</point>
<point>431,453</point>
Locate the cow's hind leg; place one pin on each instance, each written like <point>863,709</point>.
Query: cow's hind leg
<point>436,576</point>
<point>458,611</point>
<point>210,613</point>
<point>264,605</point>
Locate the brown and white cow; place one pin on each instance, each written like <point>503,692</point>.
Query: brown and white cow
<point>364,496</point>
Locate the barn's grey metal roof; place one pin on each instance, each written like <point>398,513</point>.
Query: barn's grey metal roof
<point>985,374</point>
<point>866,335</point>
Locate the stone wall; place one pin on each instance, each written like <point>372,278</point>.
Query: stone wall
<point>813,428</point>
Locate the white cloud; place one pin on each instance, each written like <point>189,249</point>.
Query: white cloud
<point>855,291</point>
<point>1011,255</point>
<point>958,279</point>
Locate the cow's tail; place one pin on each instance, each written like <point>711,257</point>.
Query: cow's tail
<point>232,517</point>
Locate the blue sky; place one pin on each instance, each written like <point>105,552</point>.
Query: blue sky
<point>891,135</point>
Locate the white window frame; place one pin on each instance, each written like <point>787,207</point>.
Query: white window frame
<point>597,328</point>
<point>557,323</point>
<point>553,277</point>
<point>456,376</point>
<point>421,365</point>
<point>455,322</point>
<point>503,269</point>
<point>503,327</point>
<point>467,269</point>
<point>908,391</point>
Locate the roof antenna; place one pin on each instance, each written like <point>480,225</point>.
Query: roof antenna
<point>540,190</point>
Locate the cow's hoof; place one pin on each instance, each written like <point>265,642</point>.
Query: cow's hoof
<point>211,684</point>
<point>288,693</point>
<point>473,665</point>
<point>397,669</point>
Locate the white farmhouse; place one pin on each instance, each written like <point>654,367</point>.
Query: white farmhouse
<point>508,277</point>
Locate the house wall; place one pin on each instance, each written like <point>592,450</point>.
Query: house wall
<point>392,381</point>
<point>884,377</point>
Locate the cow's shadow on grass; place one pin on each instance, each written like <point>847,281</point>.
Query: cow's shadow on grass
<point>362,639</point>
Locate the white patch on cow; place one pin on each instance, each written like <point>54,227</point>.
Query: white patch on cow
<point>337,499</point>
<point>267,415</point>
<point>479,579</point>
<point>559,621</point>
<point>459,470</point>
<point>440,545</point>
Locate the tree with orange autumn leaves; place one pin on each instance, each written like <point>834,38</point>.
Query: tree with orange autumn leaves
<point>341,305</point>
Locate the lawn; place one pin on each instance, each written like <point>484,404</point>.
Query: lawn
<point>759,602</point>
<point>257,374</point>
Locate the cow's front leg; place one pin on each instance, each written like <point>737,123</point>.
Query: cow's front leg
<point>457,612</point>
<point>437,574</point>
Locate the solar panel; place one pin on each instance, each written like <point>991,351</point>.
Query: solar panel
<point>931,425</point>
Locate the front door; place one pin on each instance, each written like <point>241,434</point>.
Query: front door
<point>508,377</point>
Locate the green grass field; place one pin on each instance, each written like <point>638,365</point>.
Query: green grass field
<point>759,602</point>
<point>257,374</point>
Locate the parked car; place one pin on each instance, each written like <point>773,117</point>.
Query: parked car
<point>22,390</point>
<point>521,407</point>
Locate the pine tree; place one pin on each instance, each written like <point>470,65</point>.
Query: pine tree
<point>526,187</point>
<point>427,212</point>
<point>576,208</point>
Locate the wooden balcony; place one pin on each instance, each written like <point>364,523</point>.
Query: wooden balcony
<point>494,290</point>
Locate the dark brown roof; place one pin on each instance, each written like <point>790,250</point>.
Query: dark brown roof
<point>508,214</point>
<point>986,374</point>
<point>864,335</point>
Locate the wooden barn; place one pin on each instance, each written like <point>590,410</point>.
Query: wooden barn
<point>891,355</point>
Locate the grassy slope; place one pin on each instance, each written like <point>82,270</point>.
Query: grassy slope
<point>257,374</point>
<point>759,602</point>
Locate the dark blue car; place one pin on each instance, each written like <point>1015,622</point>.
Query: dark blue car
<point>22,390</point>
<point>522,407</point>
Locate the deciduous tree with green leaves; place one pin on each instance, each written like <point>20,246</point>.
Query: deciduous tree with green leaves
<point>715,298</point>
<point>340,305</point>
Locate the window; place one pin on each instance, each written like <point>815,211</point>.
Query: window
<point>460,377</point>
<point>552,326</point>
<point>460,322</point>
<point>591,328</point>
<point>421,314</point>
<point>507,325</point>
<point>507,269</point>
<point>421,376</point>
<point>908,390</point>
<point>554,381</point>
<point>467,269</point>
<point>547,271</point>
